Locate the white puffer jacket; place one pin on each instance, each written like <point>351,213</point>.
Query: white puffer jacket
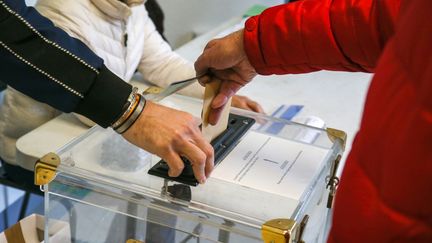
<point>102,25</point>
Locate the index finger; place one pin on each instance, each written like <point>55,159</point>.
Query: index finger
<point>227,90</point>
<point>197,159</point>
<point>208,151</point>
<point>202,63</point>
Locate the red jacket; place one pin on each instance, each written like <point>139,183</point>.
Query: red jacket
<point>385,193</point>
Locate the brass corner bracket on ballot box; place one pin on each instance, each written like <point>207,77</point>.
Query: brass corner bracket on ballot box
<point>334,134</point>
<point>284,230</point>
<point>153,90</point>
<point>45,169</point>
<point>133,241</point>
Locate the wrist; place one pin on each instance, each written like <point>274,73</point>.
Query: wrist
<point>127,107</point>
<point>133,109</point>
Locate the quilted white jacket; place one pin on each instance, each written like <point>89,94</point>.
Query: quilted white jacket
<point>120,33</point>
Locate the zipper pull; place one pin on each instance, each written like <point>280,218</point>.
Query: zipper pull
<point>125,39</point>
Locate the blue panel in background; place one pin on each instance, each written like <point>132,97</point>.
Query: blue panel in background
<point>10,215</point>
<point>283,112</point>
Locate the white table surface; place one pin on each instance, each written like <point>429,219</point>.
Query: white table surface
<point>336,97</point>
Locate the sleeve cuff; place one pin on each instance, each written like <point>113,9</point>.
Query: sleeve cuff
<point>105,100</point>
<point>252,46</point>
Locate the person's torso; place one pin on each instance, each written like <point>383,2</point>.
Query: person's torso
<point>112,29</point>
<point>386,187</point>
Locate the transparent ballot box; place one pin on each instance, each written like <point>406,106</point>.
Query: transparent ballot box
<point>275,184</point>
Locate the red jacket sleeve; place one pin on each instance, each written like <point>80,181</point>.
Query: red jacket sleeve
<point>311,35</point>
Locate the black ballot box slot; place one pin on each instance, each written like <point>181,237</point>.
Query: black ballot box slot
<point>222,145</point>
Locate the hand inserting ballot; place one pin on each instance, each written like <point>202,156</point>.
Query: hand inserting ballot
<point>226,60</point>
<point>170,140</point>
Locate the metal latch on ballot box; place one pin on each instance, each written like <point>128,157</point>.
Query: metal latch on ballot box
<point>332,180</point>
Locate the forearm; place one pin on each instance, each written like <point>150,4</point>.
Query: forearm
<point>43,62</point>
<point>310,35</point>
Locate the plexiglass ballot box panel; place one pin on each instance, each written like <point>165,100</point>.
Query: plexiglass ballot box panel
<point>278,169</point>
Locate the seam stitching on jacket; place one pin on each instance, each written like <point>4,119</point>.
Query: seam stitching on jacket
<point>303,43</point>
<point>46,39</point>
<point>352,16</point>
<point>258,36</point>
<point>41,71</point>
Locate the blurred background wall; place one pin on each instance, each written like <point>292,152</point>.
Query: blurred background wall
<point>185,19</point>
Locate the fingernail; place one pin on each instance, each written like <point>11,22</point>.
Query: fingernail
<point>202,180</point>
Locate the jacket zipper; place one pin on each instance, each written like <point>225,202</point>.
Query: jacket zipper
<point>125,40</point>
<point>125,34</point>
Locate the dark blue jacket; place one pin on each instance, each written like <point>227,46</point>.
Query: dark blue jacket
<point>48,65</point>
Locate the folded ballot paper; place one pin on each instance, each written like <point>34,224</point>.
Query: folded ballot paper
<point>274,164</point>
